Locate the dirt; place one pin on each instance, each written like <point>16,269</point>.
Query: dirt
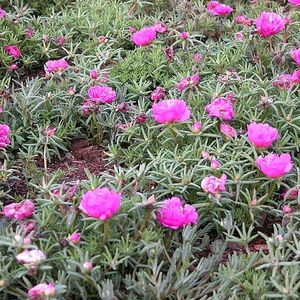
<point>82,156</point>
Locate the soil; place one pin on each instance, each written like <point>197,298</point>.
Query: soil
<point>82,156</point>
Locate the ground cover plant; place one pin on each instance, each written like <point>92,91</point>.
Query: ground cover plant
<point>149,149</point>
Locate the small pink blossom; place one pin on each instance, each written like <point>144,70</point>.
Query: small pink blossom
<point>4,135</point>
<point>2,13</point>
<point>219,9</point>
<point>214,164</point>
<point>13,51</point>
<point>12,67</point>
<point>184,35</point>
<point>196,127</point>
<point>241,19</point>
<point>60,40</point>
<point>88,266</point>
<point>274,165</point>
<point>173,214</point>
<point>286,81</point>
<point>160,27</point>
<point>205,155</point>
<point>102,94</point>
<point>198,57</point>
<point>29,32</point>
<point>188,82</point>
<point>56,66</point>
<point>295,54</point>
<point>170,111</point>
<point>141,118</point>
<point>294,2</point>
<point>100,203</point>
<point>239,36</point>
<point>169,53</point>
<point>292,194</point>
<point>269,23</point>
<point>50,131</point>
<point>262,135</point>
<point>214,185</point>
<point>286,209</point>
<point>157,94</point>
<point>41,291</point>
<point>102,39</point>
<point>20,210</point>
<point>74,238</point>
<point>94,74</point>
<point>220,108</point>
<point>144,37</point>
<point>31,257</point>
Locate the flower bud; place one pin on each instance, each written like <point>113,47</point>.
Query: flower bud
<point>87,266</point>
<point>196,127</point>
<point>286,209</point>
<point>184,35</point>
<point>214,164</point>
<point>94,74</point>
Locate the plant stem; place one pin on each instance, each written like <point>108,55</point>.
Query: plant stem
<point>45,160</point>
<point>144,224</point>
<point>105,231</point>
<point>99,130</point>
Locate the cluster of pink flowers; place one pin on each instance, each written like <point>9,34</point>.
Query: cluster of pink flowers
<point>102,94</point>
<point>173,214</point>
<point>219,9</point>
<point>170,111</point>
<point>269,23</point>
<point>100,203</point>
<point>19,211</point>
<point>56,66</point>
<point>13,51</point>
<point>4,133</point>
<point>188,82</point>
<point>42,291</point>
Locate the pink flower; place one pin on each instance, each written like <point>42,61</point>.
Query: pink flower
<point>50,131</point>
<point>157,94</point>
<point>87,266</point>
<point>100,203</point>
<point>102,94</point>
<point>31,257</point>
<point>190,82</point>
<point>220,108</point>
<point>29,32</point>
<point>292,194</point>
<point>198,57</point>
<point>87,106</point>
<point>60,40</point>
<point>94,74</point>
<point>53,66</point>
<point>213,185</point>
<point>19,211</point>
<point>227,130</point>
<point>42,291</point>
<point>144,37</point>
<point>243,20</point>
<point>184,35</point>
<point>286,81</point>
<point>4,133</point>
<point>205,155</point>
<point>12,67</point>
<point>102,39</point>
<point>74,238</point>
<point>141,118</point>
<point>239,36</point>
<point>294,2</point>
<point>14,51</point>
<point>170,111</point>
<point>286,209</point>
<point>2,13</point>
<point>219,9</point>
<point>295,54</point>
<point>274,165</point>
<point>196,127</point>
<point>160,27</point>
<point>214,164</point>
<point>268,24</point>
<point>262,135</point>
<point>173,214</point>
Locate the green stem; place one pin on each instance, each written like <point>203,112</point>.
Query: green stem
<point>99,131</point>
<point>173,133</point>
<point>105,231</point>
<point>144,224</point>
<point>45,160</point>
<point>272,189</point>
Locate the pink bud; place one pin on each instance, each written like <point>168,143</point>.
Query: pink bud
<point>60,40</point>
<point>50,131</point>
<point>94,74</point>
<point>279,237</point>
<point>198,57</point>
<point>87,266</point>
<point>141,118</point>
<point>101,39</point>
<point>205,155</point>
<point>74,238</point>
<point>45,37</point>
<point>13,67</point>
<point>286,209</point>
<point>72,91</point>
<point>214,164</point>
<point>196,127</point>
<point>184,35</point>
<point>253,202</point>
